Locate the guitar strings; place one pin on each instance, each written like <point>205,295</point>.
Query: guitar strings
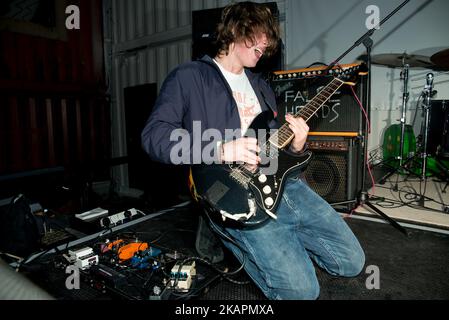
<point>285,130</point>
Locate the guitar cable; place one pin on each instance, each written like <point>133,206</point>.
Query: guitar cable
<point>366,162</point>
<point>227,275</point>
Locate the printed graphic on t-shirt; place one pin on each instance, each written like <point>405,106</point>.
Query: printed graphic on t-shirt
<point>248,106</point>
<point>244,95</point>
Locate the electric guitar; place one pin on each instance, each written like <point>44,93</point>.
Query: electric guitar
<point>238,191</point>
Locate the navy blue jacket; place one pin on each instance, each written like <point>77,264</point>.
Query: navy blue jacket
<point>197,91</point>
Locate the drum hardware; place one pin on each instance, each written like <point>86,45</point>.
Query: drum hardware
<point>438,139</point>
<point>428,163</point>
<point>428,100</point>
<point>403,119</point>
<point>441,60</point>
<point>391,60</point>
<point>398,60</point>
<point>438,62</point>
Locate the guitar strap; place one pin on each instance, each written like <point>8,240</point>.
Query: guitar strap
<point>191,185</point>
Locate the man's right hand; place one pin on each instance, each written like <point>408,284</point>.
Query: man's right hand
<point>241,150</point>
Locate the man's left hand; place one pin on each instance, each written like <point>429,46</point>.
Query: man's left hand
<point>300,129</point>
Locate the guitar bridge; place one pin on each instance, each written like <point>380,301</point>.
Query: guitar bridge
<point>240,178</point>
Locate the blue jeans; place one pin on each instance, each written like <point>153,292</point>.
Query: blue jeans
<point>278,255</point>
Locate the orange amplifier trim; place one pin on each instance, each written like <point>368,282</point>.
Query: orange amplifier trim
<point>334,134</point>
<point>319,68</point>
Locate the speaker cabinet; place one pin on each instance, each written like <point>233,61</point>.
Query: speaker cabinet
<point>335,171</point>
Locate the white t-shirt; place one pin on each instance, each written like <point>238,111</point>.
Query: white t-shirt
<point>244,95</point>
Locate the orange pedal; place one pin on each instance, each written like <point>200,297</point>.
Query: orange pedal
<point>127,251</point>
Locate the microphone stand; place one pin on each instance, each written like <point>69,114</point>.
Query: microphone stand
<point>368,43</point>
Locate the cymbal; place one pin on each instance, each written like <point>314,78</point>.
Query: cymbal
<point>399,60</point>
<point>441,59</point>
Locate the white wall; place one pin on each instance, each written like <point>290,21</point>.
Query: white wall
<point>322,30</point>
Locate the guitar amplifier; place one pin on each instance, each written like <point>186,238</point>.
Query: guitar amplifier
<point>342,113</point>
<point>335,171</point>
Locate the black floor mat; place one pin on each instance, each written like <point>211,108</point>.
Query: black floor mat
<point>409,268</point>
<point>414,267</point>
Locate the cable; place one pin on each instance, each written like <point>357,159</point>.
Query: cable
<point>407,197</point>
<point>163,266</point>
<point>367,163</point>
<point>217,230</point>
<point>318,63</point>
<point>19,259</point>
<point>417,108</point>
<point>27,259</point>
<point>195,291</point>
<point>168,231</point>
<point>387,203</point>
<point>221,273</point>
<point>242,252</point>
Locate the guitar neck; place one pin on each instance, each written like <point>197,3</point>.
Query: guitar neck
<point>284,135</point>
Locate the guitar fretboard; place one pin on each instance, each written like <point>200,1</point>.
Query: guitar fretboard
<point>284,135</point>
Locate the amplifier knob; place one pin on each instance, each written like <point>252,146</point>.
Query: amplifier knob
<point>262,178</point>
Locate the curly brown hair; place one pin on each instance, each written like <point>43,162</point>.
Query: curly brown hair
<point>242,22</point>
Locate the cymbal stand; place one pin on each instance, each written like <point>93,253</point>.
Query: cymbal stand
<point>403,120</point>
<point>405,97</point>
<point>428,96</point>
<point>428,103</point>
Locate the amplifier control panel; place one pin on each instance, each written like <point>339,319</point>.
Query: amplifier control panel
<point>328,145</point>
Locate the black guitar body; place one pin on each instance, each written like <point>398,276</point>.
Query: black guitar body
<point>248,196</point>
<point>236,191</point>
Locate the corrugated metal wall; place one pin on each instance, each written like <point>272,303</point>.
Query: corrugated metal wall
<point>145,39</point>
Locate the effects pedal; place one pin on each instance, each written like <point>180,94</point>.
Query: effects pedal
<point>182,279</point>
<point>83,258</point>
